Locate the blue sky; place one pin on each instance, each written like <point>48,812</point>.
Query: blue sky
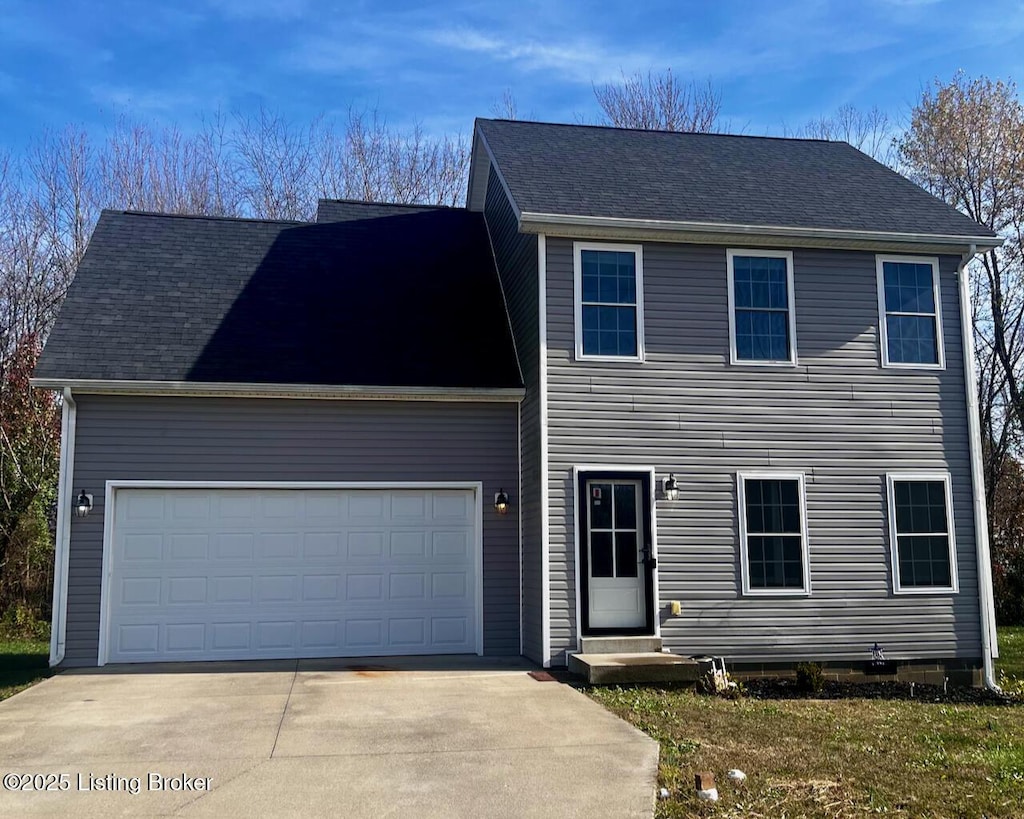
<point>778,62</point>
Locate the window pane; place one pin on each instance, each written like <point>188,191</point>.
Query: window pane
<point>626,555</point>
<point>625,506</point>
<point>762,335</point>
<point>924,561</point>
<point>774,542</point>
<point>775,562</point>
<point>922,527</point>
<point>908,287</point>
<point>601,555</point>
<point>609,330</point>
<point>609,276</point>
<point>772,506</point>
<point>600,505</point>
<point>920,507</point>
<point>911,339</point>
<point>760,283</point>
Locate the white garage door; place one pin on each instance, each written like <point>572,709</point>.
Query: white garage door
<point>219,574</point>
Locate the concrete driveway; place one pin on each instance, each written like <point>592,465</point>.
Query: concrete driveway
<point>437,737</point>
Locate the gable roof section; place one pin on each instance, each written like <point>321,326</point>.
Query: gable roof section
<point>603,173</point>
<point>403,299</point>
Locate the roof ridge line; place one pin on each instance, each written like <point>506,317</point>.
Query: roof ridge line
<point>369,203</point>
<point>603,127</point>
<point>206,216</point>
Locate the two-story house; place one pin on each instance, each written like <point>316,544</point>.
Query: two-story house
<point>712,393</point>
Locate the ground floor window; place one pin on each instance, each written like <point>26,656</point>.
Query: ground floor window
<point>921,533</point>
<point>773,533</point>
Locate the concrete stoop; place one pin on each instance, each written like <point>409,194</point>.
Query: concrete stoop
<point>636,667</point>
<point>648,666</point>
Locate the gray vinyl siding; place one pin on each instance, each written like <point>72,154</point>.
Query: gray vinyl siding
<point>516,256</point>
<point>241,439</point>
<point>838,417</point>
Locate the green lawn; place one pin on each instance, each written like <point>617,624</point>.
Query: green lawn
<point>835,758</point>
<point>22,663</point>
<point>1011,651</point>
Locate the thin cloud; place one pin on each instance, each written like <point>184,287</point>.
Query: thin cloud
<point>580,60</point>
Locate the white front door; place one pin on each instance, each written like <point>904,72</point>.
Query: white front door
<point>616,574</point>
<point>233,574</point>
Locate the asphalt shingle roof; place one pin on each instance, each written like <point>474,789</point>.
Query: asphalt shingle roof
<point>395,299</point>
<point>712,178</point>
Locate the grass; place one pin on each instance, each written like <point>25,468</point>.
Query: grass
<point>22,663</point>
<point>1011,651</point>
<point>835,758</point>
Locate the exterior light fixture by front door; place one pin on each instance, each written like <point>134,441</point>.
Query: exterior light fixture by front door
<point>671,488</point>
<point>501,502</point>
<point>83,504</point>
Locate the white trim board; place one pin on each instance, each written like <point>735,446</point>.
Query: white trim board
<point>983,560</point>
<point>652,511</point>
<point>805,545</point>
<point>109,516</point>
<point>545,512</point>
<point>558,224</point>
<point>62,553</point>
<point>252,390</point>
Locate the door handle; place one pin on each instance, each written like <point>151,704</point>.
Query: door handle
<point>649,560</point>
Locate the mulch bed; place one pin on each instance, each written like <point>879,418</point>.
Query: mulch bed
<point>768,688</point>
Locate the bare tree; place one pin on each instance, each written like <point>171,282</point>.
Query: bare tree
<point>381,163</point>
<point>966,145</point>
<point>506,107</point>
<point>273,164</point>
<point>660,102</point>
<point>262,165</point>
<point>871,131</point>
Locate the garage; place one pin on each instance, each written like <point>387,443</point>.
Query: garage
<point>225,572</point>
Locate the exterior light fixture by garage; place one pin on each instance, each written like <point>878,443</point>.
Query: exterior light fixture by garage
<point>83,504</point>
<point>501,502</point>
<point>671,488</point>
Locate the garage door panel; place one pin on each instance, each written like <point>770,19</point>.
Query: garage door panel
<point>234,574</point>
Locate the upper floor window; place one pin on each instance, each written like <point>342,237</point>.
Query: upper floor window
<point>609,301</point>
<point>762,321</point>
<point>909,314</point>
<point>921,533</point>
<point>773,533</point>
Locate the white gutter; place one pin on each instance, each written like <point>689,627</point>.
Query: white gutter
<point>986,598</point>
<point>540,222</point>
<point>62,550</point>
<point>229,389</point>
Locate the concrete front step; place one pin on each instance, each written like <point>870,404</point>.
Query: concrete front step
<point>640,667</point>
<point>619,645</point>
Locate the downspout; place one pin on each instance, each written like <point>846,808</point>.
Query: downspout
<point>62,552</point>
<point>986,602</point>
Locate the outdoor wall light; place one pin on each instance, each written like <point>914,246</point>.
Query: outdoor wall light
<point>501,502</point>
<point>83,504</point>
<point>671,488</point>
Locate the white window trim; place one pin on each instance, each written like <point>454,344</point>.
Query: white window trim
<point>894,552</point>
<point>577,252</point>
<point>730,255</point>
<point>805,548</point>
<point>883,331</point>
